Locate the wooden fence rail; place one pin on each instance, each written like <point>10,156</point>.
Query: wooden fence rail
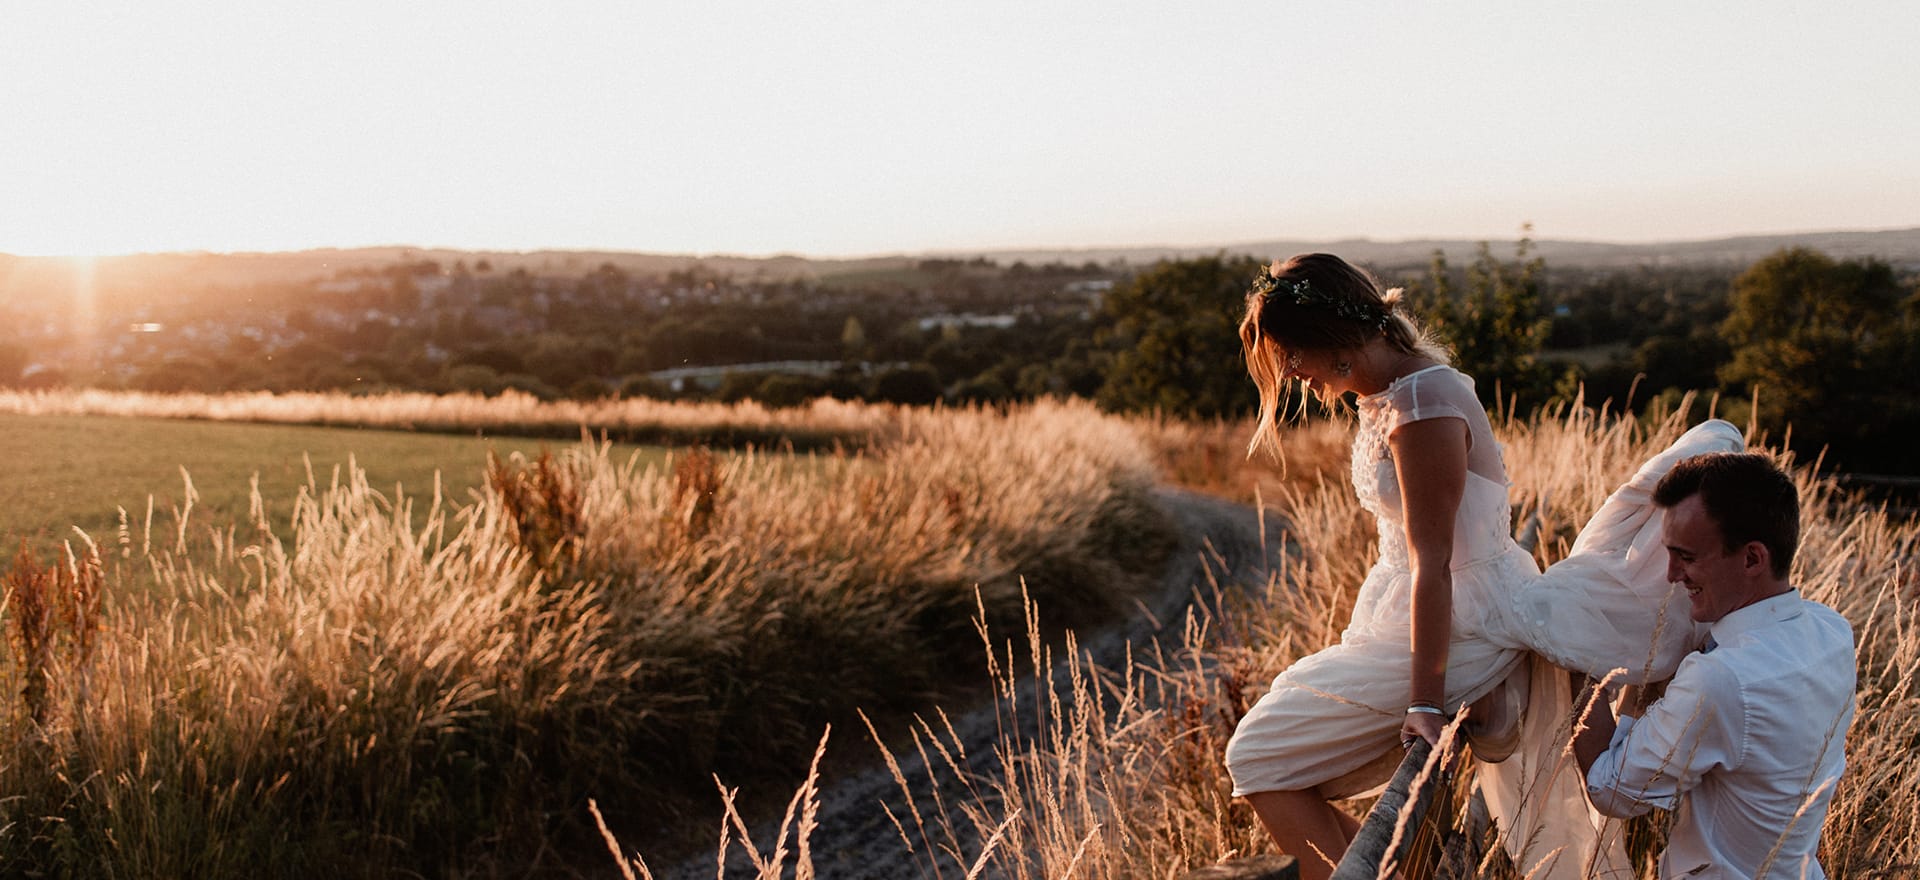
<point>1419,792</point>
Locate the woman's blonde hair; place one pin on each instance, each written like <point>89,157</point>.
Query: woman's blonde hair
<point>1317,302</point>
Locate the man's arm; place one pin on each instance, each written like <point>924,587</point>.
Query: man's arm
<point>1594,732</point>
<point>1642,764</point>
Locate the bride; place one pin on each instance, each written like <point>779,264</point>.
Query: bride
<point>1453,608</point>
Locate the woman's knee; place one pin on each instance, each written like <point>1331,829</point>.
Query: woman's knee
<point>1245,752</point>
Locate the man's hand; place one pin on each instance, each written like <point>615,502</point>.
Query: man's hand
<point>1633,700</point>
<point>1594,724</point>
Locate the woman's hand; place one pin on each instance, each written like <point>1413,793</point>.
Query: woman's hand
<point>1424,725</point>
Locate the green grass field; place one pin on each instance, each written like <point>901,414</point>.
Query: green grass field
<point>66,471</point>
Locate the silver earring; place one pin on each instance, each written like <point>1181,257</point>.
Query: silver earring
<point>1343,369</point>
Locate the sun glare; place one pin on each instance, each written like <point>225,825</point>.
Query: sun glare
<point>85,302</point>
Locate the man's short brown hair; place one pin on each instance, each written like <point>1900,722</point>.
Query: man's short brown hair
<point>1747,496</point>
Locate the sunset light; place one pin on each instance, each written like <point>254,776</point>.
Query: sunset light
<point>858,127</point>
<point>939,439</point>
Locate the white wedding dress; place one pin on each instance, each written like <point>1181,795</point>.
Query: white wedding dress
<point>1336,715</point>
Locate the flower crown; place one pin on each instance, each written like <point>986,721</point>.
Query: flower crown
<point>1300,292</point>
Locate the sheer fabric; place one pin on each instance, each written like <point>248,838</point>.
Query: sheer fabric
<point>1335,716</point>
<point>1486,561</point>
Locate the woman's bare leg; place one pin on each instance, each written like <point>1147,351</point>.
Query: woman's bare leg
<point>1307,827</point>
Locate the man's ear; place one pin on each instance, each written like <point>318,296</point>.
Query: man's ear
<point>1756,554</point>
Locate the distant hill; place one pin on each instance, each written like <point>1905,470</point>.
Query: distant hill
<point>322,263</point>
<point>1898,246</point>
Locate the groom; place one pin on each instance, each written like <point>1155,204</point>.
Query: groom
<point>1749,740</point>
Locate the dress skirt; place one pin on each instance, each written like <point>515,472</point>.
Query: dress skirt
<point>1606,608</point>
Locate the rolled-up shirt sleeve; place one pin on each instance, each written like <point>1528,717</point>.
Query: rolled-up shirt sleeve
<point>1651,761</point>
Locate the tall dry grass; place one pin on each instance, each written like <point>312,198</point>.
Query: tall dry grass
<point>1123,777</point>
<point>1212,456</point>
<point>398,685</point>
<point>821,424</point>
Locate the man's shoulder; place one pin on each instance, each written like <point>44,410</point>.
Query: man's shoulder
<point>1808,643</point>
<point>1817,630</point>
<point>1792,622</point>
<point>1830,619</point>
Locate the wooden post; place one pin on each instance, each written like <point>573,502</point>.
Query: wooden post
<point>1410,856</point>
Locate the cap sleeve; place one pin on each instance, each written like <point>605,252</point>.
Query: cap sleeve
<point>1430,394</point>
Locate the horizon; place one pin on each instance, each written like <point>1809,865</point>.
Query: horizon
<point>858,130</point>
<point>959,252</point>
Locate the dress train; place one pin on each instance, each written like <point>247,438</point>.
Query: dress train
<point>1590,612</point>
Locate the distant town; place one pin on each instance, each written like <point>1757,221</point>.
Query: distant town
<point>1627,325</point>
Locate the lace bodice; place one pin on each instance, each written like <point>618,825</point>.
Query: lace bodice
<point>1482,525</point>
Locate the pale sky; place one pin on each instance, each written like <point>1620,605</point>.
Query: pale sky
<point>852,128</point>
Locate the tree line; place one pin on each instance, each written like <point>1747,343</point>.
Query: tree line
<point>1829,347</point>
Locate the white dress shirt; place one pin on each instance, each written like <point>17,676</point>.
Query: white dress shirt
<point>1746,746</point>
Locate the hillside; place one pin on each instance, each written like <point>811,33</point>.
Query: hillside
<point>1898,246</point>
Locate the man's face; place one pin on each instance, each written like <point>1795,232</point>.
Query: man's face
<point>1697,559</point>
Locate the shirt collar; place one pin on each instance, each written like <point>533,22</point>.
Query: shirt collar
<point>1784,606</point>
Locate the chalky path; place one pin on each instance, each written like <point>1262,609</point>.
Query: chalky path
<point>1220,542</point>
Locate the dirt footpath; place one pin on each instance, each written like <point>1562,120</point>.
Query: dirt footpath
<point>1220,542</point>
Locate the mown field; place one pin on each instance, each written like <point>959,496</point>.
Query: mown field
<point>68,471</point>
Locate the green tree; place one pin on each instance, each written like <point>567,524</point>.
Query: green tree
<point>531,384</point>
<point>1495,325</point>
<point>641,385</point>
<point>1175,339</point>
<point>1829,347</point>
<point>779,390</point>
<point>735,387</point>
<point>984,388</point>
<point>175,374</point>
<point>562,361</point>
<point>853,340</point>
<point>498,358</point>
<point>13,360</point>
<point>915,385</point>
<point>589,388</point>
<point>475,378</point>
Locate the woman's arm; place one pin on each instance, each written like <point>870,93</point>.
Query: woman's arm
<point>1430,457</point>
